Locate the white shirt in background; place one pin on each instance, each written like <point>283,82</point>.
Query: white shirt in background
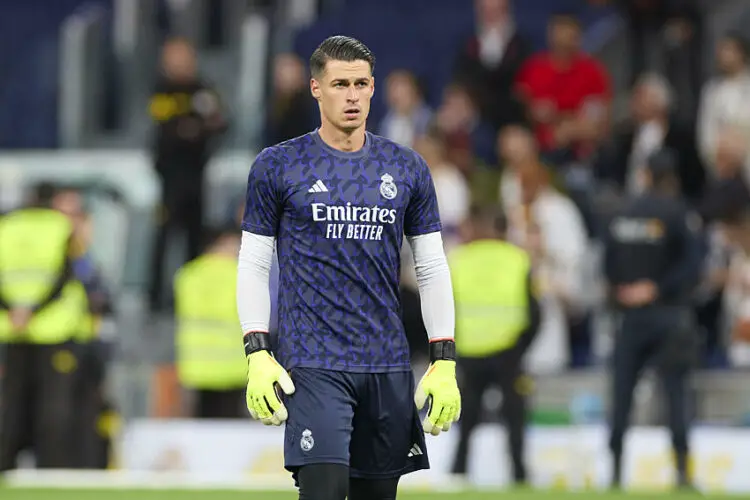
<point>725,102</point>
<point>737,305</point>
<point>566,245</point>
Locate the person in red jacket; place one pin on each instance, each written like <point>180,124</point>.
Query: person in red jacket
<point>566,91</point>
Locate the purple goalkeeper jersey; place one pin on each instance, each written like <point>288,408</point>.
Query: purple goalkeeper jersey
<point>339,219</point>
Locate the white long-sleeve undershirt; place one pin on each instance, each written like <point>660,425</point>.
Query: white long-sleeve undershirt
<point>434,284</point>
<point>253,278</point>
<point>433,280</point>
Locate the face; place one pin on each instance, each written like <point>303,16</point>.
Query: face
<point>401,92</point>
<point>430,148</point>
<point>178,60</point>
<point>69,203</point>
<point>730,151</point>
<point>343,92</point>
<point>288,74</point>
<point>737,234</point>
<point>729,56</point>
<point>516,146</point>
<point>491,11</point>
<point>644,104</point>
<point>564,37</point>
<point>458,105</point>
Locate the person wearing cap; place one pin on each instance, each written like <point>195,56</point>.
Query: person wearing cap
<point>652,263</point>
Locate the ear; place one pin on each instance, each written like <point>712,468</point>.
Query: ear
<point>315,88</point>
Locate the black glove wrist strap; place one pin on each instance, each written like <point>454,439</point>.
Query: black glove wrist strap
<point>256,341</point>
<point>442,350</point>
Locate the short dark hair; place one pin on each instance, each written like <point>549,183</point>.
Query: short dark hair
<point>565,18</point>
<point>491,215</point>
<point>212,235</point>
<point>739,40</point>
<point>339,48</point>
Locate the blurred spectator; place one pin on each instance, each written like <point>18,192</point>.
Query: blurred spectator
<point>450,186</point>
<point>724,99</point>
<point>290,109</point>
<point>646,19</point>
<point>550,227</point>
<point>490,61</point>
<point>566,91</point>
<point>188,115</point>
<point>736,229</point>
<point>92,404</point>
<point>651,127</point>
<point>497,318</point>
<point>205,310</point>
<point>408,116</point>
<point>70,202</point>
<point>468,138</point>
<point>670,29</point>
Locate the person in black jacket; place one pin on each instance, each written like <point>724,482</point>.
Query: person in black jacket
<point>652,126</point>
<point>489,61</point>
<point>652,263</point>
<point>188,117</point>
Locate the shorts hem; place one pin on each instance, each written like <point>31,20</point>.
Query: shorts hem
<point>358,474</point>
<point>293,468</point>
<point>377,369</point>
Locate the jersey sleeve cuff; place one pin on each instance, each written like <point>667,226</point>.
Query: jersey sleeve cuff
<point>259,230</point>
<point>430,228</point>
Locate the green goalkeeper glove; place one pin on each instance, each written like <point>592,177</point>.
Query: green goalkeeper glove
<point>264,374</point>
<point>439,387</point>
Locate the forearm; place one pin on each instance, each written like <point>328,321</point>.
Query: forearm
<point>435,288</point>
<point>253,278</point>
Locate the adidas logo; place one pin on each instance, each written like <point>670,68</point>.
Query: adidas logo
<point>318,187</point>
<point>415,450</point>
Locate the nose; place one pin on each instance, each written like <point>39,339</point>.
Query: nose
<point>353,94</point>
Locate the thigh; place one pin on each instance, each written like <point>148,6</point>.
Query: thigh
<point>388,440</point>
<point>319,427</point>
<point>323,482</point>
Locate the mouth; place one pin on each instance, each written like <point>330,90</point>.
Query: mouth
<point>352,113</point>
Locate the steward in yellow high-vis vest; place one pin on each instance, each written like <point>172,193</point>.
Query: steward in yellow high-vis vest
<point>497,317</point>
<point>208,361</point>
<point>94,440</point>
<point>42,309</point>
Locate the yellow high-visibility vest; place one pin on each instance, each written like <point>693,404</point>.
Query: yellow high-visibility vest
<point>90,324</point>
<point>33,250</point>
<point>490,280</point>
<point>209,337</point>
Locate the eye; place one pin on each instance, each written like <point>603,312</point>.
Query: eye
<point>338,85</point>
<point>361,84</point>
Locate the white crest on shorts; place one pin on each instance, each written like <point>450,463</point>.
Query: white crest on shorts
<point>388,188</point>
<point>306,442</point>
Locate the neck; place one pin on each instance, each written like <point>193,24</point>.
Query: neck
<point>226,250</point>
<point>341,139</point>
<point>562,58</point>
<point>436,164</point>
<point>734,73</point>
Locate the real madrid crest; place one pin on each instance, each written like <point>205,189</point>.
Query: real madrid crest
<point>306,442</point>
<point>388,188</point>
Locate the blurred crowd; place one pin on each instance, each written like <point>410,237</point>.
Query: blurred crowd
<point>537,133</point>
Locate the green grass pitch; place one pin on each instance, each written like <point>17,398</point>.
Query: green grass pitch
<point>133,494</point>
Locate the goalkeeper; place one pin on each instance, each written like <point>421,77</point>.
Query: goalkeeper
<point>336,203</point>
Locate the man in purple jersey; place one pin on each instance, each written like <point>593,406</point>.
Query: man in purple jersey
<point>336,203</point>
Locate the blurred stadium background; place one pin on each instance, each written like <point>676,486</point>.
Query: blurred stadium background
<point>75,85</point>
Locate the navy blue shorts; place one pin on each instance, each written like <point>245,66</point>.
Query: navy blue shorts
<point>367,421</point>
